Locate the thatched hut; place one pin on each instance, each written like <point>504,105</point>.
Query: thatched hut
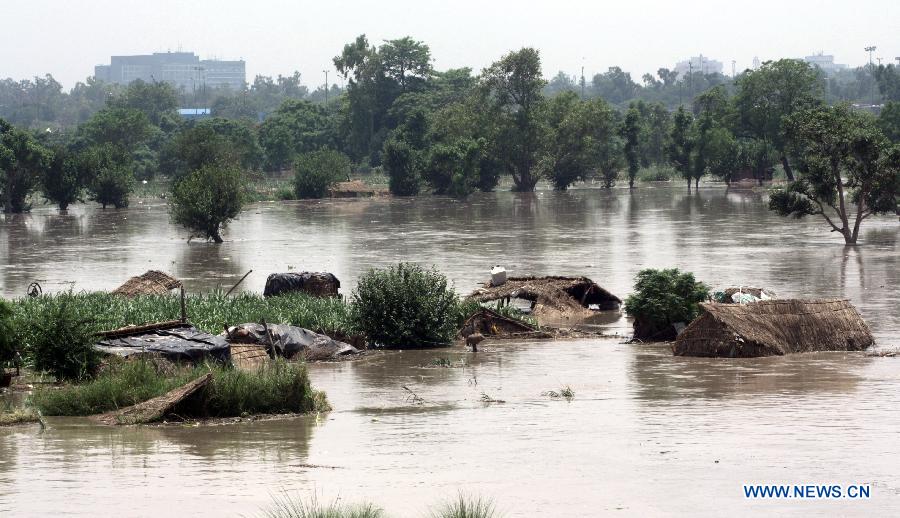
<point>153,282</point>
<point>552,298</point>
<point>490,323</point>
<point>774,327</point>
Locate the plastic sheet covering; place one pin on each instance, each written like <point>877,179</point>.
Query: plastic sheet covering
<point>289,341</point>
<point>177,344</point>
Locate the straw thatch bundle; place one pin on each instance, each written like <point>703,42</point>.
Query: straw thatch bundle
<point>556,295</point>
<point>153,282</point>
<point>774,327</point>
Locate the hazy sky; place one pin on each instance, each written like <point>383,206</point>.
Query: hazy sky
<point>67,38</point>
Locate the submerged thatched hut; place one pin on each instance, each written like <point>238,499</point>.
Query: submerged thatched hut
<point>774,327</point>
<point>153,282</point>
<point>553,299</point>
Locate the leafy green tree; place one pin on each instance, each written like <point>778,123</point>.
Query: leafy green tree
<point>110,172</point>
<point>662,298</point>
<point>454,168</point>
<point>615,86</point>
<point>22,162</point>
<point>514,85</point>
<point>210,141</point>
<point>62,342</point>
<point>296,127</point>
<point>611,153</point>
<point>402,164</point>
<point>846,161</point>
<point>7,333</point>
<point>126,128</point>
<point>406,61</point>
<point>156,100</point>
<point>631,132</point>
<point>207,199</point>
<point>62,182</point>
<point>888,78</point>
<point>316,172</point>
<point>889,121</point>
<point>459,125</point>
<point>767,96</point>
<point>681,144</point>
<point>406,306</point>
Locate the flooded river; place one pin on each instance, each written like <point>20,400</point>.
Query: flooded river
<point>646,434</point>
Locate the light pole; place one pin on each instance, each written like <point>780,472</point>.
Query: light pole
<point>326,88</point>
<point>870,49</point>
<point>732,68</point>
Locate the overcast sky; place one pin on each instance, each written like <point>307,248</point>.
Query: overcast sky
<point>67,38</point>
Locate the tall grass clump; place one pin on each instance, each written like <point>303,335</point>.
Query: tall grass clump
<point>464,506</point>
<point>289,506</point>
<point>275,388</point>
<point>62,342</point>
<point>406,305</point>
<point>122,384</point>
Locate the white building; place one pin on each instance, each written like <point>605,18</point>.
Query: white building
<point>699,65</point>
<point>825,62</point>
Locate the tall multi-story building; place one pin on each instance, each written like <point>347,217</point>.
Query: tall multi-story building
<point>698,65</point>
<point>825,62</point>
<point>180,69</point>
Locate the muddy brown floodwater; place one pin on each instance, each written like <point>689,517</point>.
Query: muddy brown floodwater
<point>646,433</point>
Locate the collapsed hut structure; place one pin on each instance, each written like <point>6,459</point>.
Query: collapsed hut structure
<point>153,282</point>
<point>774,327</point>
<point>553,299</point>
<point>489,323</point>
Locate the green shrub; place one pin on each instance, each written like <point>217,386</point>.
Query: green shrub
<point>7,337</point>
<point>62,342</point>
<point>207,199</point>
<point>406,305</point>
<point>109,172</point>
<point>316,172</point>
<point>663,298</point>
<point>401,161</point>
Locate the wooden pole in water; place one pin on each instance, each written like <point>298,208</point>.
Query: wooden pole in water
<point>183,307</point>
<point>238,282</point>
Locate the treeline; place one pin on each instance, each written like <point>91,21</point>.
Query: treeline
<point>448,132</point>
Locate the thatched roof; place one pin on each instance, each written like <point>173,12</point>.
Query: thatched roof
<point>774,327</point>
<point>153,282</point>
<point>560,295</point>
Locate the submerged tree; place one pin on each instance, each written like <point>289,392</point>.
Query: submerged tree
<point>681,144</point>
<point>207,199</point>
<point>514,84</point>
<point>110,169</point>
<point>845,161</point>
<point>22,161</point>
<point>63,182</point>
<point>631,131</point>
<point>316,172</point>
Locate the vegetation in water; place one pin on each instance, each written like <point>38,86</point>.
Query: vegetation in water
<point>662,298</point>
<point>276,387</point>
<point>465,506</point>
<point>287,505</point>
<point>61,341</point>
<point>207,199</point>
<point>406,306</point>
<point>210,312</point>
<point>11,414</point>
<point>316,172</point>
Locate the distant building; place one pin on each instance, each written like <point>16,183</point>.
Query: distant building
<point>195,113</point>
<point>183,70</point>
<point>698,65</point>
<point>825,62</point>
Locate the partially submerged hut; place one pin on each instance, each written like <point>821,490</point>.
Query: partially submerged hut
<point>774,327</point>
<point>317,284</point>
<point>153,282</point>
<point>490,323</point>
<point>553,299</point>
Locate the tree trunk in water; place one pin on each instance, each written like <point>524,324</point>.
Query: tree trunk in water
<point>787,168</point>
<point>689,185</point>
<point>697,185</point>
<point>216,237</point>
<point>631,183</point>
